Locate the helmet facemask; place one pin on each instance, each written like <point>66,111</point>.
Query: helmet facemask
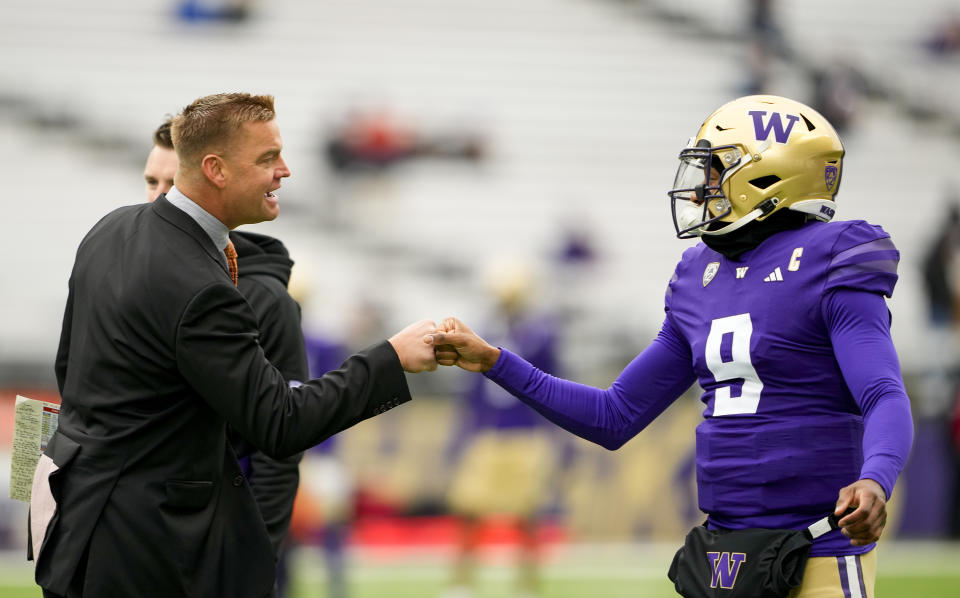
<point>697,196</point>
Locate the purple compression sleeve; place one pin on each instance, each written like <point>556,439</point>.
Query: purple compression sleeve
<point>858,323</point>
<point>860,333</point>
<point>645,388</point>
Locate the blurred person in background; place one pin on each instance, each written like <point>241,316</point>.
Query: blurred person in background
<point>367,144</point>
<point>955,441</point>
<point>780,315</point>
<point>369,140</point>
<point>139,492</point>
<point>264,267</point>
<point>765,44</point>
<point>944,39</point>
<point>504,452</point>
<point>376,140</point>
<point>838,91</point>
<point>324,504</point>
<point>941,269</point>
<point>941,398</point>
<point>325,511</point>
<point>941,283</point>
<point>226,11</point>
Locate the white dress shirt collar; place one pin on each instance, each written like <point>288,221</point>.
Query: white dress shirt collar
<point>217,231</point>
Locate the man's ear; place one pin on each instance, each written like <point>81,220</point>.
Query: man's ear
<point>214,169</point>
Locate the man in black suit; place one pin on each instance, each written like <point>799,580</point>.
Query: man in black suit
<point>264,272</point>
<point>139,492</point>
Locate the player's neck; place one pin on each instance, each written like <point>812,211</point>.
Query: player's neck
<point>735,244</point>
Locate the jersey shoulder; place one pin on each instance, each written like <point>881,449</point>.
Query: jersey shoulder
<point>862,256</point>
<point>693,258</point>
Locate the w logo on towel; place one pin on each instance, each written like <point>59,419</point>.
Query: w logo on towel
<point>725,567</point>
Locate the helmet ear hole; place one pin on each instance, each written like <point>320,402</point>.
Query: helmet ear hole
<point>765,181</point>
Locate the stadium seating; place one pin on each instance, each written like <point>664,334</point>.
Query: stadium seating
<point>584,105</point>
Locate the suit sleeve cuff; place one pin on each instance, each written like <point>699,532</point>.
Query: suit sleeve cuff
<point>391,388</point>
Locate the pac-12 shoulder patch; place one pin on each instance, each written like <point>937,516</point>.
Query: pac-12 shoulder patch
<point>709,272</point>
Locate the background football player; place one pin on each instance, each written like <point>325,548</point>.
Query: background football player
<point>505,453</point>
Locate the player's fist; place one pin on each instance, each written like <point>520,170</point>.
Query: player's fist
<point>869,503</point>
<point>455,344</point>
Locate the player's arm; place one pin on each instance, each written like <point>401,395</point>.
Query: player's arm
<point>609,417</point>
<point>860,332</point>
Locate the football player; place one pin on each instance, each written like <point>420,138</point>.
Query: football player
<point>505,452</point>
<point>780,315</point>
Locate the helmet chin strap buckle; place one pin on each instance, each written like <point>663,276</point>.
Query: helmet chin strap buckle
<point>768,205</point>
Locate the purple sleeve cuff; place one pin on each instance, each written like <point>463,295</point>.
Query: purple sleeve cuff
<point>496,371</point>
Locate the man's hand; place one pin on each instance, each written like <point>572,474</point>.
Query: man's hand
<point>414,348</point>
<point>864,525</point>
<point>458,345</point>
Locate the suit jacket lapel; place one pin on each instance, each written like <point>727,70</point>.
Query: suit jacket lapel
<point>184,222</point>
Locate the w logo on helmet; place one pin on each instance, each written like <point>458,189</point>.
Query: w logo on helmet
<point>725,567</point>
<point>775,123</point>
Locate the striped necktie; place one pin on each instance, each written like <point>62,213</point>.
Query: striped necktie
<point>231,253</point>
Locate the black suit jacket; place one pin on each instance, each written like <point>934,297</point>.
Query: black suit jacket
<point>159,351</point>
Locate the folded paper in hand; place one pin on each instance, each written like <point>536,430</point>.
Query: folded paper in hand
<point>34,422</point>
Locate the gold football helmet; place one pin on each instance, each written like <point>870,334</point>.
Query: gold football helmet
<point>754,156</point>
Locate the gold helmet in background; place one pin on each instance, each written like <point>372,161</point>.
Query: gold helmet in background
<point>752,157</point>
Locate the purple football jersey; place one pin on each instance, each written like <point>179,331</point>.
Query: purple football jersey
<point>781,431</point>
<point>802,386</point>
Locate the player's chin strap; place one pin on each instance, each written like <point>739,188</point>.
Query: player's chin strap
<point>823,526</point>
<point>763,208</point>
<point>745,220</point>
<point>821,209</point>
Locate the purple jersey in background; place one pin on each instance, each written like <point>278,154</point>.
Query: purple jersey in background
<point>324,354</point>
<point>489,406</point>
<point>791,345</point>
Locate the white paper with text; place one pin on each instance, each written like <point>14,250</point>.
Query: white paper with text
<point>34,422</point>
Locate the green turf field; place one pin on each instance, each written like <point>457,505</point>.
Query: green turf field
<point>893,587</point>
<point>907,570</point>
<point>915,570</point>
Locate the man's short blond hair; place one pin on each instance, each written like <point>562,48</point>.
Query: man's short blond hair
<point>209,123</point>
